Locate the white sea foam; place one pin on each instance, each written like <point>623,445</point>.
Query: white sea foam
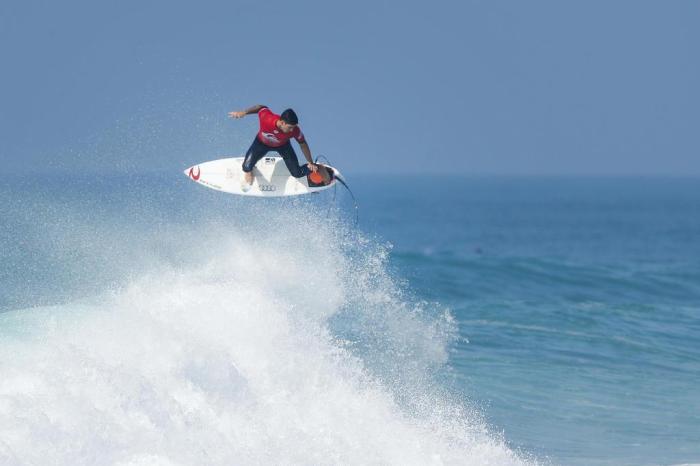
<point>248,352</point>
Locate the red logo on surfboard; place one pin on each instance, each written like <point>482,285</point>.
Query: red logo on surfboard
<point>193,175</point>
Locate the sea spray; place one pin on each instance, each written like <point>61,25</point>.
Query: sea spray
<point>272,336</point>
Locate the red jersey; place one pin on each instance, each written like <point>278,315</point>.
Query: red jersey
<point>270,134</point>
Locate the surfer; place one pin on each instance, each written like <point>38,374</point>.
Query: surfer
<point>274,135</point>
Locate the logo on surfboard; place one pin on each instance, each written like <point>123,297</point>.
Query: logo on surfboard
<point>193,175</point>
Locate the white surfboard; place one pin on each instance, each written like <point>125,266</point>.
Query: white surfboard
<point>272,179</point>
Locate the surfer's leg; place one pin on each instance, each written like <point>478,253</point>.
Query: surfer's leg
<point>256,151</point>
<point>292,162</point>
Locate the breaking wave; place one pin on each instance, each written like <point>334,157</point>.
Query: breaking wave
<point>273,336</point>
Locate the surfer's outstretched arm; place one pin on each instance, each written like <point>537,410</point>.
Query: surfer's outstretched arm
<point>248,111</point>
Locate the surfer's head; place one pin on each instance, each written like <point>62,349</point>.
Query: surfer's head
<point>288,121</point>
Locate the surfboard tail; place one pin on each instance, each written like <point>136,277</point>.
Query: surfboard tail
<point>315,180</point>
<point>335,173</point>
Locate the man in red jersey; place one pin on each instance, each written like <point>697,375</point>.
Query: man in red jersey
<point>274,135</point>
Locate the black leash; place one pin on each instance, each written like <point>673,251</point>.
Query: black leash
<point>354,201</point>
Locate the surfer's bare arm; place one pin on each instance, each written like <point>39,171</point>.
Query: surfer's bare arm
<point>247,111</point>
<point>307,153</point>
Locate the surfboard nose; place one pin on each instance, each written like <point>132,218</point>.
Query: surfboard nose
<point>193,172</point>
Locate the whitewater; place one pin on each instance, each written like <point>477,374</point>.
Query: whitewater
<point>194,334</point>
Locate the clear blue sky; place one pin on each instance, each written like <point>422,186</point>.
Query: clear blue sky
<point>472,87</point>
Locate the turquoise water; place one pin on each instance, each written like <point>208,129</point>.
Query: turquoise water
<point>472,321</point>
<point>580,299</point>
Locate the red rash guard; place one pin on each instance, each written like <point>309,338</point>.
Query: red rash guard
<point>272,136</point>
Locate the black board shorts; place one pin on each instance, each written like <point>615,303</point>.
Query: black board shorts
<point>258,150</point>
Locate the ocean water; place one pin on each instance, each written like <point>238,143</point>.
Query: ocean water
<point>486,321</point>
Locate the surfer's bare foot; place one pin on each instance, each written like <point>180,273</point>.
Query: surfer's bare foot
<point>249,177</point>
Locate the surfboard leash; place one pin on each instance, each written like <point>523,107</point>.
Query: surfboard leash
<point>354,201</point>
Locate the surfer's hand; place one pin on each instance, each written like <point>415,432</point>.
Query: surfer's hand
<point>313,167</point>
<point>236,114</point>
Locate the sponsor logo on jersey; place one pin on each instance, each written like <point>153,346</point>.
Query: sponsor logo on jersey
<point>270,137</point>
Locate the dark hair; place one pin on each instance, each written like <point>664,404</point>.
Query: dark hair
<point>289,117</point>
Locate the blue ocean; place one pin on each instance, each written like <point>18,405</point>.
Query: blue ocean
<point>146,320</point>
